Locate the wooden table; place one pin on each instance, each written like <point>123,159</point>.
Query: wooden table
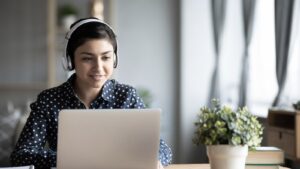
<point>195,166</point>
<point>188,166</point>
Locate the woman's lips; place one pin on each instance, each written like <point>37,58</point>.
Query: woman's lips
<point>97,77</point>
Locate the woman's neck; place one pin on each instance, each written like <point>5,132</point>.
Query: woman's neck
<point>86,94</point>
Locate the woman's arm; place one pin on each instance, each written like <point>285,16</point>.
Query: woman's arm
<point>165,153</point>
<point>30,148</point>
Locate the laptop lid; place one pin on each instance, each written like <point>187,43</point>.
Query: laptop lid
<point>108,139</point>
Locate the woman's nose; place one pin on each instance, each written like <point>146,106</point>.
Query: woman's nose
<point>98,63</point>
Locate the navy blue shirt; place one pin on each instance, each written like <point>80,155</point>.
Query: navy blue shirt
<point>41,125</point>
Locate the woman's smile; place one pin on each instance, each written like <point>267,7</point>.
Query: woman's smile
<point>97,77</point>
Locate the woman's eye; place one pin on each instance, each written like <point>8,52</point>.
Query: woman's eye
<point>86,58</point>
<point>106,58</point>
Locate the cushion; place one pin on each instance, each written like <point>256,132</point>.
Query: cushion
<point>9,118</point>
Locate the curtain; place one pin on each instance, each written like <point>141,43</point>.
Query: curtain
<point>290,93</point>
<point>283,25</point>
<point>248,7</point>
<point>218,11</point>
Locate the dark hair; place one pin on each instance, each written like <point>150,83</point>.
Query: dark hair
<point>87,31</point>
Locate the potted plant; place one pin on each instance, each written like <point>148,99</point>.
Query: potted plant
<point>146,96</point>
<point>227,135</point>
<point>67,14</point>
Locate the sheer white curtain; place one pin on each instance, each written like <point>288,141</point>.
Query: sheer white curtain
<point>218,8</point>
<point>283,28</point>
<point>248,7</point>
<point>262,85</point>
<point>291,92</point>
<point>231,52</point>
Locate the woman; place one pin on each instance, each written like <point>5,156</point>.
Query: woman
<point>91,51</point>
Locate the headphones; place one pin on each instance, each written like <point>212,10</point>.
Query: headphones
<point>67,64</point>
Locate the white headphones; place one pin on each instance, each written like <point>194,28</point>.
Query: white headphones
<point>84,22</point>
<point>66,59</point>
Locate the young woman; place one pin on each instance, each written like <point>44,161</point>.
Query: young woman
<point>91,51</point>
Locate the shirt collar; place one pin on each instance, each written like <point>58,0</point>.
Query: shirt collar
<point>106,92</point>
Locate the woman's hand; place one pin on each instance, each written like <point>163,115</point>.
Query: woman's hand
<point>159,165</point>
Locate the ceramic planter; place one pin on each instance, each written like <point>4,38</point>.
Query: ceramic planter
<point>227,156</point>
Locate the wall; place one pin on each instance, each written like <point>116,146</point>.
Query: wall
<point>148,37</point>
<point>196,67</point>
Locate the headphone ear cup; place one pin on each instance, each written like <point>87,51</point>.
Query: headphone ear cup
<point>66,61</point>
<point>70,67</point>
<point>115,60</point>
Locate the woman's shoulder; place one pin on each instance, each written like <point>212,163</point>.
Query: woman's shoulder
<point>125,94</point>
<point>54,91</point>
<point>121,86</point>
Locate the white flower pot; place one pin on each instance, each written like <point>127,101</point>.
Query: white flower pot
<point>227,156</point>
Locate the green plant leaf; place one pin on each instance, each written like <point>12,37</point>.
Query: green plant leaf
<point>221,125</point>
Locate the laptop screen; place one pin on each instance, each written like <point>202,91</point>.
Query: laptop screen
<point>108,138</point>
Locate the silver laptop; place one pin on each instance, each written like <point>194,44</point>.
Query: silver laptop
<point>108,139</point>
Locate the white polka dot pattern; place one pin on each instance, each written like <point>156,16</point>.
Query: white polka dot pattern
<point>38,140</point>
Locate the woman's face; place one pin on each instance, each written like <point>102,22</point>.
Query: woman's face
<point>94,63</point>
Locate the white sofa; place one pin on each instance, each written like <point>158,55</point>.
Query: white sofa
<point>12,121</point>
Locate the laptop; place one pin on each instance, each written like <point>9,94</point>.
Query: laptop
<point>108,138</point>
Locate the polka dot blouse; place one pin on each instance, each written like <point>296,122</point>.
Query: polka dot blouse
<point>38,140</point>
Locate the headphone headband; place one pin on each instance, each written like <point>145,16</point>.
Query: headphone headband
<point>69,34</point>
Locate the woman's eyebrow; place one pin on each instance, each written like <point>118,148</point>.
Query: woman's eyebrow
<point>104,53</point>
<point>88,53</point>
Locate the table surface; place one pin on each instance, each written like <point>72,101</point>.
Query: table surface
<point>188,166</point>
<point>195,166</point>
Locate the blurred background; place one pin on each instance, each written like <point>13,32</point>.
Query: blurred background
<point>179,54</point>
